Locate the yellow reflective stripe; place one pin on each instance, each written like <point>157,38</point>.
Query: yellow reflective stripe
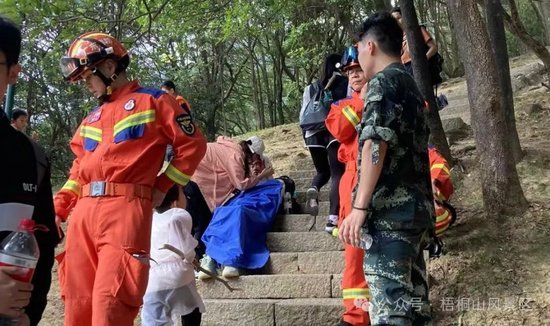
<point>350,114</point>
<point>72,186</point>
<point>355,293</point>
<point>441,166</point>
<point>134,120</point>
<point>443,217</point>
<point>438,231</point>
<point>91,132</point>
<point>176,176</point>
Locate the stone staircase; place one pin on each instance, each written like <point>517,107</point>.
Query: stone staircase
<point>300,285</point>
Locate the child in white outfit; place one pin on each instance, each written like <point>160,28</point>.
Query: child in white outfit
<point>171,293</point>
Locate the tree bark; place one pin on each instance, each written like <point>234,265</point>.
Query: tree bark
<point>422,76</point>
<point>514,25</point>
<point>502,193</point>
<point>495,27</point>
<point>543,9</point>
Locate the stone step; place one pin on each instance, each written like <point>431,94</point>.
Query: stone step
<point>297,174</point>
<point>302,242</point>
<point>284,286</point>
<point>299,223</point>
<point>322,262</point>
<point>268,312</point>
<point>323,195</point>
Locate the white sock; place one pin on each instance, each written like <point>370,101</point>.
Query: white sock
<point>333,219</point>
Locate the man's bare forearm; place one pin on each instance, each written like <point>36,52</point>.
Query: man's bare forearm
<point>369,173</point>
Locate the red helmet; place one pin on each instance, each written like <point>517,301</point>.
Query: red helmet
<point>89,50</point>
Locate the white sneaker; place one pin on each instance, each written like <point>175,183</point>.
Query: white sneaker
<point>312,201</point>
<point>332,221</point>
<point>210,265</point>
<point>229,271</point>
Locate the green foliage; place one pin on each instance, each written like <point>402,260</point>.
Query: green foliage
<point>242,64</point>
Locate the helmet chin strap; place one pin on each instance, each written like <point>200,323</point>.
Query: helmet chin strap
<point>107,81</point>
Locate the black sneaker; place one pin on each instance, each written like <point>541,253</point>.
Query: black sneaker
<point>312,201</point>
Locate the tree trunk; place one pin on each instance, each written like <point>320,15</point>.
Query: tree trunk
<point>422,76</point>
<point>495,26</point>
<point>543,9</point>
<point>514,25</point>
<point>502,193</point>
<point>381,5</point>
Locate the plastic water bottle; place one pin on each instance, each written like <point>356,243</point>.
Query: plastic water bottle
<point>20,249</point>
<point>287,202</point>
<point>365,241</point>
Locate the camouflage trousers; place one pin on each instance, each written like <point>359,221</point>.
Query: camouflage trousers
<point>396,273</point>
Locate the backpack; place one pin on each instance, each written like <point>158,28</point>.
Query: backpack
<point>290,187</point>
<point>435,65</point>
<point>313,116</point>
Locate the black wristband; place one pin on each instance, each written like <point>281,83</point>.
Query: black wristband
<point>360,209</point>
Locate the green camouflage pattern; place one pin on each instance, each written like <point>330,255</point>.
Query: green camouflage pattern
<point>394,113</point>
<point>396,274</point>
<point>401,213</point>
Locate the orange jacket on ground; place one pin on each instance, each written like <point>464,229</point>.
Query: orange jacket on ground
<point>443,189</point>
<point>344,115</point>
<point>124,141</point>
<point>221,172</point>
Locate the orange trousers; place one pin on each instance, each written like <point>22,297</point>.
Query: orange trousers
<point>104,270</point>
<point>354,284</point>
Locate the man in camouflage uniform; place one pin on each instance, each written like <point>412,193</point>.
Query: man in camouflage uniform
<point>393,199</point>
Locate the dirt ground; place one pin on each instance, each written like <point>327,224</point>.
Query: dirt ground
<point>495,271</point>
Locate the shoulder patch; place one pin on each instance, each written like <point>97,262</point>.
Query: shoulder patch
<point>186,124</point>
<point>94,116</point>
<point>156,93</point>
<point>130,105</point>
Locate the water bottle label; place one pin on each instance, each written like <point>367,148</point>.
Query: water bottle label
<point>26,266</point>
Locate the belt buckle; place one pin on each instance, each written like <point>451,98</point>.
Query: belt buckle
<point>97,188</point>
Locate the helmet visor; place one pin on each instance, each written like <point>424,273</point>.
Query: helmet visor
<point>350,56</point>
<point>71,67</point>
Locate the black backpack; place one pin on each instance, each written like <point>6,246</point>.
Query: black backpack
<point>290,187</point>
<point>435,64</point>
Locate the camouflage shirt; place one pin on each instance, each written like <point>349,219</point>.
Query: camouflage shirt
<point>393,113</point>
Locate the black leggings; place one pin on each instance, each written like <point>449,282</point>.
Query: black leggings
<point>327,165</point>
<point>200,214</point>
<point>192,319</point>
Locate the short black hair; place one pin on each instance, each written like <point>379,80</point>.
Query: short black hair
<point>386,32</point>
<point>18,113</point>
<point>10,41</point>
<point>396,9</point>
<point>171,196</point>
<point>169,84</point>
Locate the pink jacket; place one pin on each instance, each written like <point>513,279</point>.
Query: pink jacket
<point>221,171</point>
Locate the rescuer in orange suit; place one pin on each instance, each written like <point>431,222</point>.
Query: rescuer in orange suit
<point>113,183</point>
<point>442,187</point>
<point>343,117</point>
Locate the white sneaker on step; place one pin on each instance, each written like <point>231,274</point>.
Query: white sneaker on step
<point>210,265</point>
<point>229,271</point>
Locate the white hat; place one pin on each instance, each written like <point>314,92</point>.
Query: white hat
<point>256,145</point>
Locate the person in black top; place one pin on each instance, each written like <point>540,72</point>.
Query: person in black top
<point>323,147</point>
<point>25,191</point>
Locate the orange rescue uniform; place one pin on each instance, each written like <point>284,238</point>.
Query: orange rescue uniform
<point>443,189</point>
<point>344,115</point>
<point>119,151</point>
